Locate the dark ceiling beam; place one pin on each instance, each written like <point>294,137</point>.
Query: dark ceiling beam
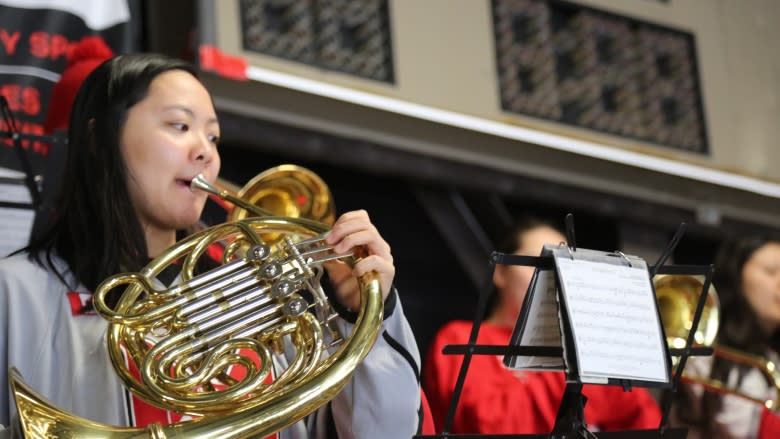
<point>460,229</point>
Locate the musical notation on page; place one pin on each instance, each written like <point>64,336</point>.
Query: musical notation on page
<point>539,324</point>
<point>615,324</point>
<point>16,211</point>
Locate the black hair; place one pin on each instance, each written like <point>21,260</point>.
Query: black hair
<point>94,227</point>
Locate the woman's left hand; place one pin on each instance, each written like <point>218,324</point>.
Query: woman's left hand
<point>350,232</point>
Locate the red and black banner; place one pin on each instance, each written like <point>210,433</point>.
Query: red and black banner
<point>35,39</point>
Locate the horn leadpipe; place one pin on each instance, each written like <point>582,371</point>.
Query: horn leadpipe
<point>199,182</point>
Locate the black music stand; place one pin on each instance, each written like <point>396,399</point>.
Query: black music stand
<point>570,421</point>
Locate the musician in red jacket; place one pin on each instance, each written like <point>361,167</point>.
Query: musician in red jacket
<point>498,400</point>
<point>769,426</point>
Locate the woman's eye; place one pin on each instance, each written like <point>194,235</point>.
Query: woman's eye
<point>214,139</point>
<point>183,127</point>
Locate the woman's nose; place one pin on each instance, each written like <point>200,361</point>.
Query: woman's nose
<point>203,149</point>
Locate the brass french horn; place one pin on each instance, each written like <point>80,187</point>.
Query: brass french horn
<point>677,296</point>
<point>265,298</point>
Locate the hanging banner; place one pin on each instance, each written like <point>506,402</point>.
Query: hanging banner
<point>35,39</point>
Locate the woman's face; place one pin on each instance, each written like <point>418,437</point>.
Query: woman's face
<point>512,280</point>
<point>761,285</point>
<point>168,138</point>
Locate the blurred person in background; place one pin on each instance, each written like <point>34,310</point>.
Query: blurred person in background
<point>499,400</point>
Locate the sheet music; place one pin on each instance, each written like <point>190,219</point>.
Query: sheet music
<point>16,228</point>
<point>615,324</point>
<point>14,190</point>
<point>15,222</point>
<point>539,324</point>
<point>10,173</point>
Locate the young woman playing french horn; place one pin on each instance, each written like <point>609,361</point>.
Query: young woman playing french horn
<point>141,128</point>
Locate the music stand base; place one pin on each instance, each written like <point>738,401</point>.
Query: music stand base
<point>669,433</point>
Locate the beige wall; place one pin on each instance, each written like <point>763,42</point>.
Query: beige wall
<point>739,70</point>
<point>448,62</point>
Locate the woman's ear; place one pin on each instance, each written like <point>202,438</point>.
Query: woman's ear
<point>499,276</point>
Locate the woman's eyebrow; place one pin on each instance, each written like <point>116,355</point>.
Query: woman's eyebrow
<point>189,112</point>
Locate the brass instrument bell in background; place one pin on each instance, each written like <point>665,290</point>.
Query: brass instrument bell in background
<point>677,297</point>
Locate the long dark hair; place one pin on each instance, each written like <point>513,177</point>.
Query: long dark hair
<point>94,228</point>
<point>739,327</point>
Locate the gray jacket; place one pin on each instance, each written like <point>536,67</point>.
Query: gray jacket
<point>63,356</point>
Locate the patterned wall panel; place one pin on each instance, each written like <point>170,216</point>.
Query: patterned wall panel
<point>580,66</point>
<point>352,37</point>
